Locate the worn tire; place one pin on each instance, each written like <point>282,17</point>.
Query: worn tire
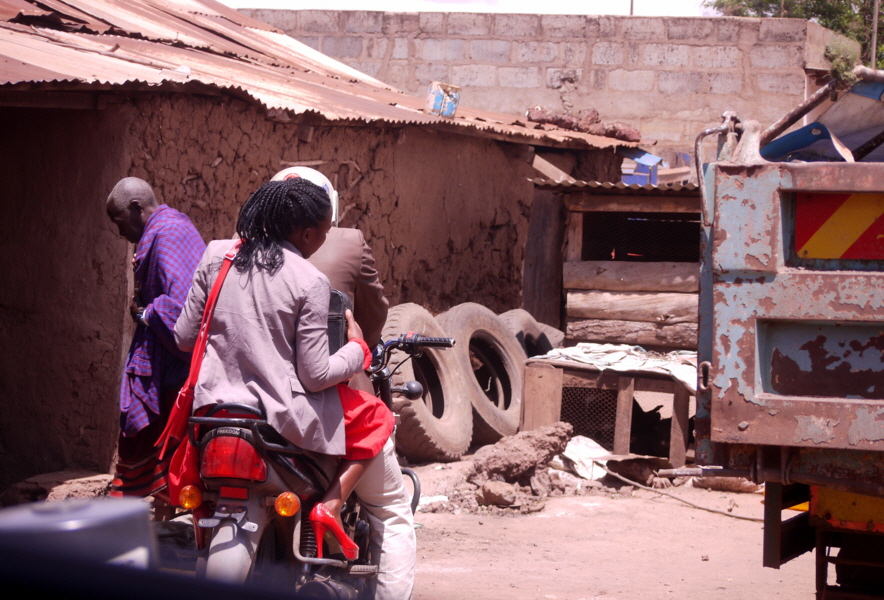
<point>439,427</point>
<point>484,342</point>
<point>536,338</point>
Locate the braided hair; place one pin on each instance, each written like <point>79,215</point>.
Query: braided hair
<point>271,215</point>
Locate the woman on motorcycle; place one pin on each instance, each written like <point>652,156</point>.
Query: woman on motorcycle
<point>268,341</point>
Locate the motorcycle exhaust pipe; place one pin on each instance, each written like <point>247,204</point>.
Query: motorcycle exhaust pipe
<point>327,589</point>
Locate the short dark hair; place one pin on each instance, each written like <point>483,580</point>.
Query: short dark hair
<point>269,217</point>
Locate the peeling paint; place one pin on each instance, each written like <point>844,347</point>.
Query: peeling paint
<point>868,426</point>
<point>816,429</point>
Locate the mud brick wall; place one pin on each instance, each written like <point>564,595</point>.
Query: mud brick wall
<point>669,77</point>
<point>445,214</point>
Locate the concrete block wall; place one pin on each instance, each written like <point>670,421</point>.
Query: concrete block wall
<point>669,77</point>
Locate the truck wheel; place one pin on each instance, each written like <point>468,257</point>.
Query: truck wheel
<point>488,350</point>
<point>439,426</point>
<point>535,338</point>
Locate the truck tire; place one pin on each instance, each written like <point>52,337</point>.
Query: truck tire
<point>492,354</point>
<point>536,338</point>
<point>439,426</point>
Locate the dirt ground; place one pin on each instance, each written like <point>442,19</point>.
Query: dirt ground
<point>626,545</point>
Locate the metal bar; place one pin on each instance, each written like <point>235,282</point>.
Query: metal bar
<point>702,472</point>
<point>873,59</point>
<point>867,148</point>
<point>799,111</point>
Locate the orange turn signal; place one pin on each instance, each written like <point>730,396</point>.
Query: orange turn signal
<point>190,497</point>
<point>287,504</point>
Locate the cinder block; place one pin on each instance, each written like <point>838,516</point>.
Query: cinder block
<point>342,47</point>
<point>363,21</point>
<point>632,52</point>
<point>608,53</point>
<point>689,29</point>
<point>575,53</point>
<point>469,24</point>
<point>287,20</point>
<point>519,77</point>
<point>495,51</point>
<point>667,55</point>
<point>400,48</point>
<point>516,25</point>
<point>676,82</point>
<point>622,80</point>
<point>725,83</point>
<point>433,50</point>
<point>425,74</point>
<point>431,22</point>
<point>781,83</point>
<point>783,30</point>
<point>775,57</point>
<point>639,28</point>
<point>401,23</point>
<point>313,42</point>
<point>398,75</point>
<point>377,47</point>
<point>529,52</point>
<point>563,25</point>
<point>319,21</point>
<point>474,75</point>
<point>717,57</point>
<point>608,26</point>
<point>600,79</point>
<point>728,30</point>
<point>370,68</point>
<point>558,78</point>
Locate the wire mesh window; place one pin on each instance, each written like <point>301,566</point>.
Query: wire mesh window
<point>641,237</point>
<point>592,413</point>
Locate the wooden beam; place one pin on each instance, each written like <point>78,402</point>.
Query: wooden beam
<point>623,276</point>
<point>679,335</point>
<point>679,432</point>
<point>650,307</point>
<point>542,396</point>
<point>589,202</point>
<point>591,379</point>
<point>549,170</point>
<point>623,422</point>
<point>574,237</point>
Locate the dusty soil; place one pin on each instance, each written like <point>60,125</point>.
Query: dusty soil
<point>607,544</point>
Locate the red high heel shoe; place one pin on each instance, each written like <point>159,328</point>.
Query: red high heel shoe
<point>322,520</point>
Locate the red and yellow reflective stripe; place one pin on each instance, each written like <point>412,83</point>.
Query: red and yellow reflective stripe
<point>847,226</point>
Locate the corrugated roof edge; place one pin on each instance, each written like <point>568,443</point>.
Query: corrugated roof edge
<point>615,187</point>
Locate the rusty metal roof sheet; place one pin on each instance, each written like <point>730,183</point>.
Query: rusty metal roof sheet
<point>606,187</point>
<point>142,44</point>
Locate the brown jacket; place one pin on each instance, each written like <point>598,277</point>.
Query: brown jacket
<point>345,258</point>
<point>268,346</point>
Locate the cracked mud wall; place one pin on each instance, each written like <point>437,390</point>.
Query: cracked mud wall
<point>445,214</point>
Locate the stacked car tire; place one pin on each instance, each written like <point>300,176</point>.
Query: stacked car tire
<point>472,392</point>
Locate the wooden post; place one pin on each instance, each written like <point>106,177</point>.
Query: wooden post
<point>541,396</point>
<point>623,422</point>
<point>574,237</point>
<point>678,436</point>
<point>542,269</point>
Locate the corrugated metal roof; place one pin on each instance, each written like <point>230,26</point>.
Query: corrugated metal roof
<point>141,44</point>
<point>619,187</point>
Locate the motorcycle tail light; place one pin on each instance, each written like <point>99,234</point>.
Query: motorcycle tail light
<point>287,504</point>
<point>190,497</point>
<point>227,456</point>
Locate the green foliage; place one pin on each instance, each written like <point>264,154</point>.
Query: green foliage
<point>842,58</point>
<point>852,18</point>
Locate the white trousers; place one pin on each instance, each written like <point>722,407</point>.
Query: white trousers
<point>382,493</point>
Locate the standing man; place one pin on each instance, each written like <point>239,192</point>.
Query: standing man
<point>345,258</point>
<point>167,252</point>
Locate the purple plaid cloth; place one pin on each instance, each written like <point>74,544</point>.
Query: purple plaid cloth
<point>165,260</point>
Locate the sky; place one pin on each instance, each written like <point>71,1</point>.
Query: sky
<point>645,8</point>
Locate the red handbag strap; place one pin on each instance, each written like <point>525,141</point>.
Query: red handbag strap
<point>177,423</point>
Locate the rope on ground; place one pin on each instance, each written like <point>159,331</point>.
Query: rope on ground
<point>674,497</point>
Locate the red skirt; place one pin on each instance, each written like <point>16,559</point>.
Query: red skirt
<point>367,423</point>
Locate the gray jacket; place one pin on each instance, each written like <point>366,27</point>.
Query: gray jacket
<point>268,347</point>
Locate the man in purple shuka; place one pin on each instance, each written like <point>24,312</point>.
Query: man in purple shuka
<point>168,250</point>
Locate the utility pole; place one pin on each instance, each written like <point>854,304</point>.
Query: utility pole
<point>874,54</point>
<point>631,2</point>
